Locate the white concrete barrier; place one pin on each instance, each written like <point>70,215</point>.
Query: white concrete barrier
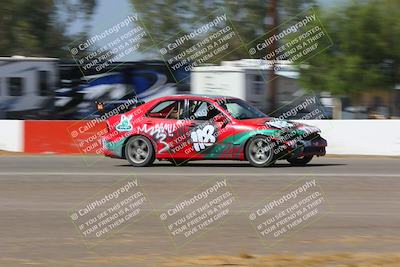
<point>351,137</point>
<point>12,135</point>
<point>360,137</point>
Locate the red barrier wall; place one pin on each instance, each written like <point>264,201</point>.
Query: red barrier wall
<point>62,137</point>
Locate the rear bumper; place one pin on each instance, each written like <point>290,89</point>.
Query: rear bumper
<point>110,154</point>
<point>113,149</point>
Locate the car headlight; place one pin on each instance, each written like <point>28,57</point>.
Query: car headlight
<point>310,129</point>
<point>279,124</point>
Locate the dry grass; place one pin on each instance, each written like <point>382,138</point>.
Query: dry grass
<point>286,260</point>
<point>242,260</point>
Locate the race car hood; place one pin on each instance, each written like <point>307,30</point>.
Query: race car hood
<point>275,123</point>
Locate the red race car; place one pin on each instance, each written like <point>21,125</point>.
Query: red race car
<point>181,128</point>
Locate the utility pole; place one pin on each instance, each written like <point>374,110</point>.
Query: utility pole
<point>271,86</point>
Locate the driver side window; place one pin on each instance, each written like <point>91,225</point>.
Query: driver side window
<point>202,110</point>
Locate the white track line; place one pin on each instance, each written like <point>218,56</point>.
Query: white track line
<point>197,174</point>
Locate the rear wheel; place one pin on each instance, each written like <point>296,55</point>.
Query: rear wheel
<point>139,151</point>
<point>259,152</point>
<point>300,161</point>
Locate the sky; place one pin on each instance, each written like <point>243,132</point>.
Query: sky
<point>111,12</point>
<point>107,12</point>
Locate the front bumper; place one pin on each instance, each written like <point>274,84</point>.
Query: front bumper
<point>314,147</point>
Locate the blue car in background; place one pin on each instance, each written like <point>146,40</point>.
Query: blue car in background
<point>122,81</point>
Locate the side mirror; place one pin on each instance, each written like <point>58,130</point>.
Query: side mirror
<point>99,106</point>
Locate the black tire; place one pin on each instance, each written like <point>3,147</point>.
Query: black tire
<point>139,151</point>
<point>259,152</point>
<point>300,161</point>
<point>179,162</point>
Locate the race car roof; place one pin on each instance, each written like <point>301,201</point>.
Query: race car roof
<point>203,95</point>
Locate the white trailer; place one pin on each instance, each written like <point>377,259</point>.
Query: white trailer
<point>247,79</point>
<point>27,86</point>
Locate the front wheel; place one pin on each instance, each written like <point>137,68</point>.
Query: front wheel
<point>259,152</point>
<point>139,151</point>
<point>300,161</point>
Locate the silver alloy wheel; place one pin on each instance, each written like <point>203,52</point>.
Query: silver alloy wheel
<point>138,150</point>
<point>260,152</point>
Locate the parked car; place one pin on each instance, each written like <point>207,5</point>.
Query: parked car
<point>182,128</point>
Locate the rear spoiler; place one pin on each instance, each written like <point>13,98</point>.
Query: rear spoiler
<point>121,105</point>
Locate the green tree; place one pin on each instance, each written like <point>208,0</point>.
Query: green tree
<point>38,28</point>
<point>165,19</point>
<point>365,54</point>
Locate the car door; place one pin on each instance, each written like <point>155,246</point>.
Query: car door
<point>208,131</point>
<point>161,124</point>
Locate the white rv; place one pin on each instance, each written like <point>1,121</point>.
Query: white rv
<point>27,86</point>
<point>49,88</point>
<point>247,79</point>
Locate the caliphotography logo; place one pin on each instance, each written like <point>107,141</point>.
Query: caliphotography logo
<point>110,211</point>
<point>198,211</point>
<point>289,211</point>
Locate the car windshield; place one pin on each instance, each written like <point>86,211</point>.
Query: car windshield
<point>240,109</point>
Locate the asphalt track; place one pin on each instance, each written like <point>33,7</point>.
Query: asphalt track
<point>37,192</point>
